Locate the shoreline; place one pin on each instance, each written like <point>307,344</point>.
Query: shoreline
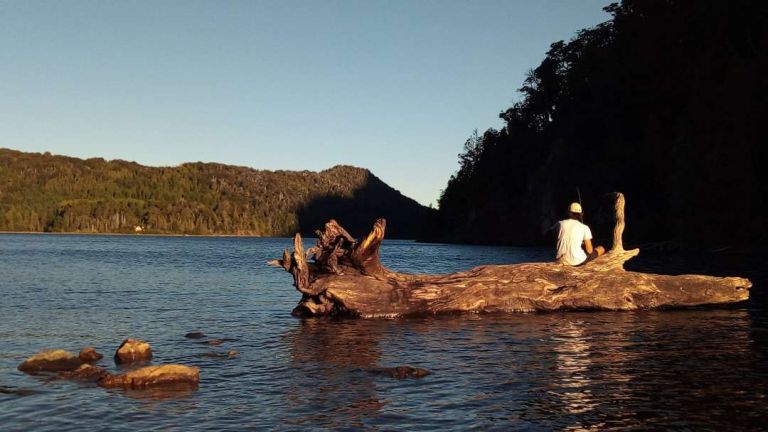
<point>648,249</point>
<point>744,262</point>
<point>73,233</point>
<point>133,234</point>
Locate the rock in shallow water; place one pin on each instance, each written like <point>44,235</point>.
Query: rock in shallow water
<point>50,361</point>
<point>133,350</point>
<point>195,335</point>
<point>172,375</point>
<point>89,355</point>
<point>16,391</point>
<point>85,372</point>
<point>401,372</point>
<point>217,355</point>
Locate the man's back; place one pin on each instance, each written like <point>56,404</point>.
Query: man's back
<point>571,234</point>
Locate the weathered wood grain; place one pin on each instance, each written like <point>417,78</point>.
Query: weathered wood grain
<point>346,277</point>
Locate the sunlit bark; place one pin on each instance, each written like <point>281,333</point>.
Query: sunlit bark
<point>344,276</point>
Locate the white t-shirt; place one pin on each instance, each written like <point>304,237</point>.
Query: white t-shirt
<point>570,236</point>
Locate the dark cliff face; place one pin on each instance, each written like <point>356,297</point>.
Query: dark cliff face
<point>369,200</point>
<point>666,103</point>
<point>42,192</point>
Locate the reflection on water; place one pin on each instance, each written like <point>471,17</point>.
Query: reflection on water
<point>572,356</point>
<point>575,371</point>
<point>692,369</point>
<point>325,354</point>
<point>156,394</point>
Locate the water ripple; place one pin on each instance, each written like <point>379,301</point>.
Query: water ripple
<point>693,369</point>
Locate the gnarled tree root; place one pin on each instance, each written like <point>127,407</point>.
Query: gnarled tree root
<point>346,277</point>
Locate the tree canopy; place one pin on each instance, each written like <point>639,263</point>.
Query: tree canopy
<point>42,192</point>
<point>665,102</point>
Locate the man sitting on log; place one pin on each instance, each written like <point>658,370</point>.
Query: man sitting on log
<point>572,234</point>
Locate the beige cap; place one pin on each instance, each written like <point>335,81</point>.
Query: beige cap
<point>574,208</point>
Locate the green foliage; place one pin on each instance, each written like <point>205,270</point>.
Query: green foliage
<point>41,192</point>
<point>664,102</point>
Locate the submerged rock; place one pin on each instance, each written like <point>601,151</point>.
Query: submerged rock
<point>86,372</point>
<point>89,355</point>
<point>401,372</point>
<point>16,391</point>
<point>212,355</point>
<point>195,335</point>
<point>219,355</point>
<point>133,350</point>
<point>172,375</point>
<point>217,341</point>
<point>50,361</point>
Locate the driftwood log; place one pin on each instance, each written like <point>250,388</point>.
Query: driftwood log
<point>346,277</point>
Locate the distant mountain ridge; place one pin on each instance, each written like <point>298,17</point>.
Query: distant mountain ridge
<point>50,193</point>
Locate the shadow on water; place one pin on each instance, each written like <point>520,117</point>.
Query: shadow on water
<point>749,265</point>
<point>646,370</point>
<point>642,369</point>
<point>328,358</point>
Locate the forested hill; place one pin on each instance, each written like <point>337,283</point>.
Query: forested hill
<point>665,102</point>
<point>42,192</point>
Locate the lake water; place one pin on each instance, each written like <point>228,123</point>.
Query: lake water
<point>692,369</point>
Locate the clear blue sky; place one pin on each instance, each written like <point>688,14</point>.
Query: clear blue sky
<point>395,86</point>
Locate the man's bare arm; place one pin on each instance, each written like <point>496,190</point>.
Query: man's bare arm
<point>588,246</point>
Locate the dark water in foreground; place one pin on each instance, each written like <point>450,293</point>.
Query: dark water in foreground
<point>692,369</point>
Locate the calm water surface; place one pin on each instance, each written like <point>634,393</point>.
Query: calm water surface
<point>690,370</point>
